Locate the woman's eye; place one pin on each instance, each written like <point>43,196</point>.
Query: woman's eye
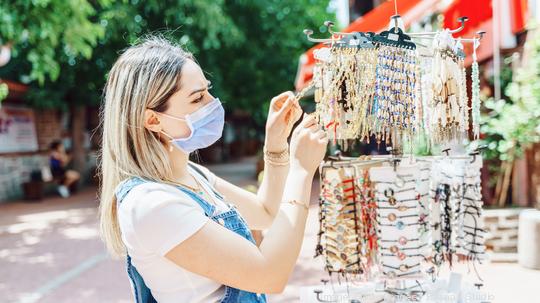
<point>198,99</point>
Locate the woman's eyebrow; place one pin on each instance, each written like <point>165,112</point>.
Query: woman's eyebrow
<point>200,89</point>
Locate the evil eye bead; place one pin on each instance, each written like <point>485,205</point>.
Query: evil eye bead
<point>394,249</point>
<point>392,217</point>
<point>402,240</point>
<point>400,225</point>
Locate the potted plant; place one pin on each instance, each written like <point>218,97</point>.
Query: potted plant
<point>33,189</point>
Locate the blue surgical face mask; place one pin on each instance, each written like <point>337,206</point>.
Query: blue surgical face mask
<point>205,124</point>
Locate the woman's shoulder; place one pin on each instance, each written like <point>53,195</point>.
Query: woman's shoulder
<point>153,193</point>
<point>154,217</point>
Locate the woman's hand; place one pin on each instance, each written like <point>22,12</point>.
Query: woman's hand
<point>308,145</point>
<point>283,113</point>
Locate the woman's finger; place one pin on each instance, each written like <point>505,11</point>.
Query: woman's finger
<point>277,102</point>
<point>310,120</point>
<point>314,127</point>
<point>297,112</point>
<point>286,107</point>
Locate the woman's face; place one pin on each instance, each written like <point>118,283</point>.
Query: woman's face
<point>192,95</point>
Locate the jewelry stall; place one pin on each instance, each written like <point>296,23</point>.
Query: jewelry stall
<point>389,223</point>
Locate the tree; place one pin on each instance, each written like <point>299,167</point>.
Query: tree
<point>513,126</point>
<point>45,31</point>
<point>249,49</point>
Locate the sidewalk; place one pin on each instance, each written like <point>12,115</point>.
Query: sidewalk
<point>51,252</point>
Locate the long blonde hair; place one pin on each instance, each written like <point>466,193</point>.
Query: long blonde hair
<point>144,76</point>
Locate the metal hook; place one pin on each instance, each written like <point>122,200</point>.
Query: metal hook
<point>480,148</point>
<point>329,24</point>
<point>474,156</point>
<point>462,20</point>
<point>480,34</point>
<point>309,32</point>
<point>319,292</point>
<point>395,18</point>
<point>446,151</point>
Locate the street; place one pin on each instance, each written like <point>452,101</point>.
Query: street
<point>51,252</point>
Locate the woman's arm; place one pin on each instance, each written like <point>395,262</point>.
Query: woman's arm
<point>260,209</point>
<point>236,262</point>
<point>224,256</point>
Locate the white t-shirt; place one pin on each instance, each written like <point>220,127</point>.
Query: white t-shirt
<point>153,219</point>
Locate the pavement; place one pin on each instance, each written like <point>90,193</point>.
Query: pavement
<point>51,252</point>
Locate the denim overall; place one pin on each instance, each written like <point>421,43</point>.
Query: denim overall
<point>230,219</point>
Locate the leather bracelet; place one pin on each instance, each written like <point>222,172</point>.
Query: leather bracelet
<point>295,202</point>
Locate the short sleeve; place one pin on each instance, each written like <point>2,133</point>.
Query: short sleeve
<point>207,173</point>
<point>163,217</point>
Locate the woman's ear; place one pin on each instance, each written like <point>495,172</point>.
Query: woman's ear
<point>151,121</point>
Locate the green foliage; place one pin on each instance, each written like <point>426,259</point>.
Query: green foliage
<point>511,127</point>
<point>249,49</point>
<point>3,91</point>
<point>44,31</point>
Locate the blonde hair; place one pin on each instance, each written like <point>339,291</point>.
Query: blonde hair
<point>144,76</point>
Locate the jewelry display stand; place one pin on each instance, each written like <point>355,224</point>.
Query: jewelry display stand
<point>387,224</point>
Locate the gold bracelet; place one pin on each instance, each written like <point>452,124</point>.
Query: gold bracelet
<point>276,155</point>
<point>293,202</point>
<point>275,163</point>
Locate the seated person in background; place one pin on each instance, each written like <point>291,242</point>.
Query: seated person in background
<point>58,161</point>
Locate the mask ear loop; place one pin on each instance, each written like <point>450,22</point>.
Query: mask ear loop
<point>161,131</point>
<point>171,138</point>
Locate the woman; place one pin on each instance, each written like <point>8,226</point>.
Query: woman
<point>58,161</point>
<point>185,230</point>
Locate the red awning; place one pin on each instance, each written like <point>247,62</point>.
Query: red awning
<point>374,21</point>
<point>480,13</point>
